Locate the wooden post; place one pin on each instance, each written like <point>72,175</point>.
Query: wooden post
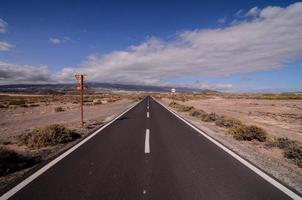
<point>81,87</point>
<point>82,100</point>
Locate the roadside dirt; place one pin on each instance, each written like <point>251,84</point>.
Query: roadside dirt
<point>17,120</point>
<point>282,118</point>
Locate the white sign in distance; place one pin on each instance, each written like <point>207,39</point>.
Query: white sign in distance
<point>173,90</point>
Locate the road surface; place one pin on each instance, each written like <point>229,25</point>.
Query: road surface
<point>148,153</point>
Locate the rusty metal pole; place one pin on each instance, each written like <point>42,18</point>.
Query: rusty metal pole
<point>82,99</point>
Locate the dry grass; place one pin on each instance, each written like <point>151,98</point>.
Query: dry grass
<point>10,161</point>
<point>59,109</point>
<point>292,149</point>
<point>49,136</point>
<point>181,108</point>
<point>252,132</point>
<point>20,102</point>
<point>198,113</point>
<point>227,122</point>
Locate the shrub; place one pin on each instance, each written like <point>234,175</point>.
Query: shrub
<point>210,117</point>
<point>292,149</point>
<point>10,161</point>
<point>3,106</point>
<point>198,113</point>
<point>184,108</point>
<point>227,122</point>
<point>17,102</point>
<point>97,101</point>
<point>181,108</point>
<point>34,105</point>
<point>173,104</point>
<point>243,132</point>
<point>294,152</point>
<point>59,109</point>
<point>49,135</point>
<point>281,143</point>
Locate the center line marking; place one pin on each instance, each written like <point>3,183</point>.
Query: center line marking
<point>147,144</point>
<point>148,115</point>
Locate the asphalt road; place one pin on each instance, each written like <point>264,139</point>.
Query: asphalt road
<point>174,162</point>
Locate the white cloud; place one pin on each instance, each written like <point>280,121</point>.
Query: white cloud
<point>4,46</point>
<point>14,74</point>
<point>222,20</point>
<point>254,12</point>
<point>266,41</point>
<point>3,26</point>
<point>207,86</point>
<point>54,40</point>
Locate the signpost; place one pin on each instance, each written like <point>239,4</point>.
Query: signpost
<point>81,87</point>
<point>173,90</point>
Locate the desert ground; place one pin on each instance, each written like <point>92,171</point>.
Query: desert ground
<point>22,114</point>
<point>26,119</point>
<point>278,118</point>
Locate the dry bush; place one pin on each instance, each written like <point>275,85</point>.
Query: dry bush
<point>294,152</point>
<point>243,132</point>
<point>212,117</point>
<point>227,122</point>
<point>17,102</point>
<point>292,148</point>
<point>181,108</point>
<point>34,105</point>
<point>173,104</point>
<point>10,161</point>
<point>198,113</point>
<point>97,101</point>
<point>281,143</point>
<point>48,136</point>
<point>59,109</point>
<point>202,115</point>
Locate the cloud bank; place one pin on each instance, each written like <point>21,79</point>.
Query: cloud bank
<point>262,39</point>
<point>4,46</point>
<point>266,39</point>
<point>14,74</point>
<point>3,25</point>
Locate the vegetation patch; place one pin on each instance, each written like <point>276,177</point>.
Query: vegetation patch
<point>10,161</point>
<point>294,152</point>
<point>49,136</point>
<point>198,113</point>
<point>180,107</point>
<point>20,102</point>
<point>227,122</point>
<point>212,117</point>
<point>292,148</point>
<point>59,109</point>
<point>243,132</point>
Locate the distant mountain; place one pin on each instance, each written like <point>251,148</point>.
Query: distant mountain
<point>61,88</point>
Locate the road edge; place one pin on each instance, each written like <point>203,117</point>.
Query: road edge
<point>249,165</point>
<point>40,171</point>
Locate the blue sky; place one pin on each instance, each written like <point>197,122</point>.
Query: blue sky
<point>56,39</point>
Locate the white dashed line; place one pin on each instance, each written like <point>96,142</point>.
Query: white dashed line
<point>148,115</point>
<point>147,144</point>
